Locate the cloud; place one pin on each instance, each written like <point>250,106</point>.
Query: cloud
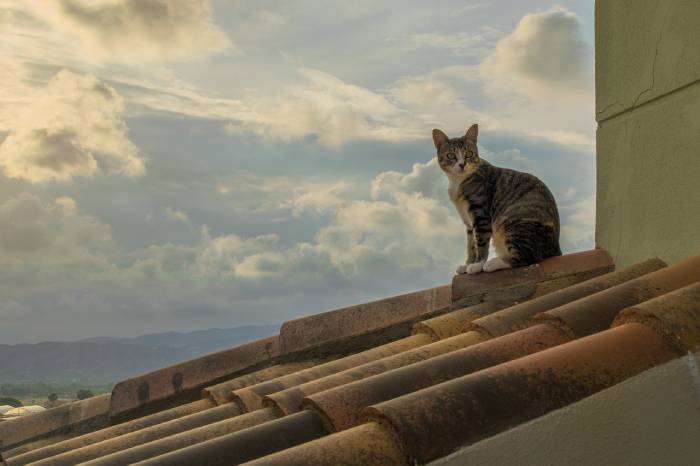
<point>459,44</point>
<point>578,224</point>
<point>41,232</point>
<point>444,87</point>
<point>137,30</point>
<point>177,215</point>
<point>226,243</point>
<point>71,128</point>
<point>410,233</point>
<point>328,109</point>
<point>545,53</point>
<point>397,233</point>
<point>426,179</point>
<point>299,195</point>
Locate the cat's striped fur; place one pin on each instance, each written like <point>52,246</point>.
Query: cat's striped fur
<point>514,209</point>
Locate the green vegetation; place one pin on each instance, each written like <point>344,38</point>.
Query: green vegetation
<point>83,393</point>
<point>7,400</point>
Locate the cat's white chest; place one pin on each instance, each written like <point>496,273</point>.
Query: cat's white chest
<point>462,206</point>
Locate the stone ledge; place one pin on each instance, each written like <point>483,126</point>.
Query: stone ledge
<point>586,264</point>
<point>190,375</point>
<point>354,321</point>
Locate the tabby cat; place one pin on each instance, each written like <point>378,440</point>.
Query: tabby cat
<point>514,209</point>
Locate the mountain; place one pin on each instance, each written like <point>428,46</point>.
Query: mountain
<point>105,360</point>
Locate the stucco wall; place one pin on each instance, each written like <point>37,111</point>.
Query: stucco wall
<point>648,113</point>
<point>652,419</point>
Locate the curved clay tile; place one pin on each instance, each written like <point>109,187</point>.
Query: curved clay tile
<point>250,398</point>
<point>518,317</point>
<point>675,315</point>
<point>438,420</point>
<point>597,312</point>
<point>341,407</point>
<point>108,433</point>
<point>243,446</point>
<point>137,437</point>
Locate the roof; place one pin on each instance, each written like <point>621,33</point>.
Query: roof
<point>408,379</point>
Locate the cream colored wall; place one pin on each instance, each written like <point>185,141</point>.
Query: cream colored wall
<point>648,113</point>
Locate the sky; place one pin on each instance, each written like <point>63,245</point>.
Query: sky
<point>174,165</point>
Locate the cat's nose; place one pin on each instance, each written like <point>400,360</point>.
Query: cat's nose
<point>462,165</point>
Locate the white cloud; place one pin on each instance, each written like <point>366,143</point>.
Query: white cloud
<point>137,30</point>
<point>426,179</point>
<point>512,158</point>
<point>545,55</point>
<point>409,233</point>
<point>578,224</point>
<point>329,109</point>
<point>404,231</point>
<point>443,87</point>
<point>69,129</point>
<point>52,232</point>
<point>298,195</point>
<point>459,44</point>
<point>568,138</point>
<point>177,215</point>
<point>278,246</point>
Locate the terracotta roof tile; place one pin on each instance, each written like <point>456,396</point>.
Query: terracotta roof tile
<point>211,395</point>
<point>518,317</point>
<point>223,392</point>
<point>244,445</point>
<point>676,315</point>
<point>137,437</point>
<point>368,444</point>
<point>51,420</point>
<point>251,398</point>
<point>289,400</point>
<point>452,323</point>
<point>341,406</point>
<point>433,422</point>
<point>107,433</point>
<point>436,421</point>
<point>597,312</point>
<point>196,436</point>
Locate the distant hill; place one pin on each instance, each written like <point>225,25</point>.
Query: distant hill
<point>105,360</point>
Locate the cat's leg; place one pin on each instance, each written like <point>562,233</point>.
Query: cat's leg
<point>502,259</point>
<point>531,242</point>
<point>471,252</point>
<point>482,237</point>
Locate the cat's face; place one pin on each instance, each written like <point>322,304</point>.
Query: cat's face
<point>458,157</point>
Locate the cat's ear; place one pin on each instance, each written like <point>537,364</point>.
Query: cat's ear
<point>472,133</point>
<point>439,138</point>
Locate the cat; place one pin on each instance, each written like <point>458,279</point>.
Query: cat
<point>513,208</point>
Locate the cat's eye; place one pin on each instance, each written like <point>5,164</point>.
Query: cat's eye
<point>451,157</point>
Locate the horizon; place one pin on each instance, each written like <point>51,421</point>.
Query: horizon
<point>192,165</point>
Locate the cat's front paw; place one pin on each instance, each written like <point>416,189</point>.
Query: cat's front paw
<point>462,269</point>
<point>496,264</point>
<point>476,267</point>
